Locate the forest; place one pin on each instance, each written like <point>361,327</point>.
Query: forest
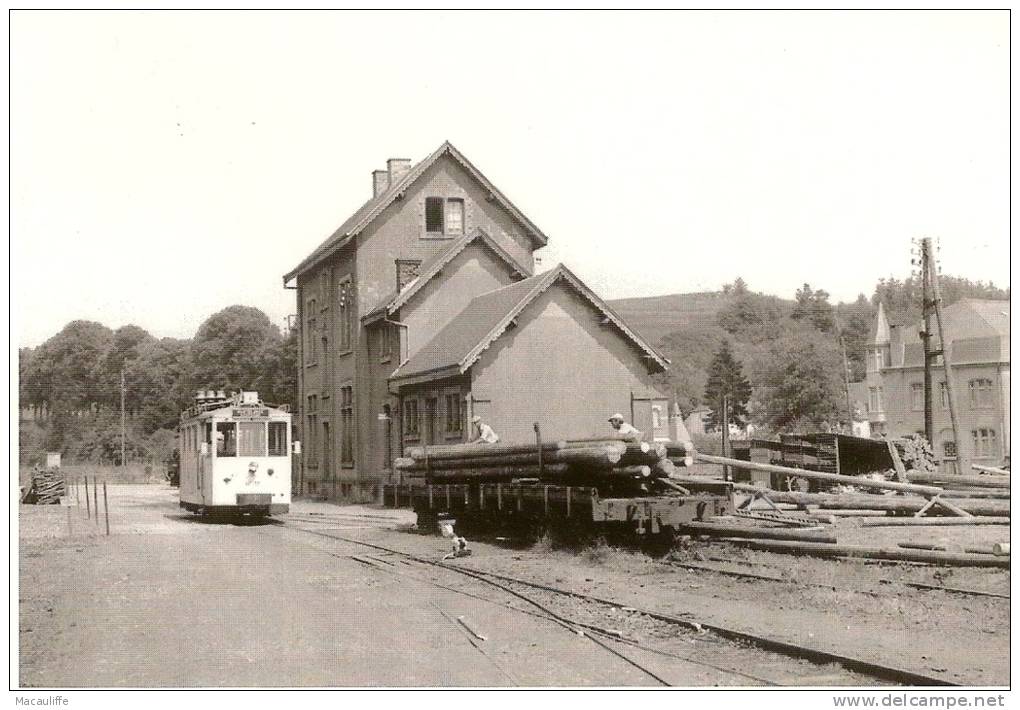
<point>71,386</point>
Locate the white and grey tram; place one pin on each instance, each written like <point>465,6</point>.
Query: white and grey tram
<point>235,454</point>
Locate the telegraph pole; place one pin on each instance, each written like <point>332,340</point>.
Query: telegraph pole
<point>123,436</point>
<point>929,356</point>
<point>846,378</point>
<point>726,433</point>
<point>962,451</point>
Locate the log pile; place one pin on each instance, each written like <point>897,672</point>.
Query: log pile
<point>587,460</point>
<point>46,489</point>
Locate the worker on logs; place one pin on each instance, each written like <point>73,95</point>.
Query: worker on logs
<point>485,433</point>
<point>623,430</point>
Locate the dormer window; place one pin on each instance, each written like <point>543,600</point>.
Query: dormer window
<point>444,217</point>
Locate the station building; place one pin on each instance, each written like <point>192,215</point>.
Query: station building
<point>423,309</point>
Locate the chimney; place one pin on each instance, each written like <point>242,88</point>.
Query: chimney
<point>397,168</point>
<point>380,182</point>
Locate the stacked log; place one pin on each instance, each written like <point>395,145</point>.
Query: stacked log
<point>46,489</point>
<point>588,459</point>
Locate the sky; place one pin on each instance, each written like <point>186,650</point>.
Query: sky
<point>166,165</point>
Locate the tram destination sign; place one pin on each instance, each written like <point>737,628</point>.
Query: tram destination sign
<point>250,412</point>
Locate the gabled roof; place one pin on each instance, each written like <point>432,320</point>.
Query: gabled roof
<point>459,345</point>
<point>994,313</point>
<point>430,269</point>
<point>367,213</point>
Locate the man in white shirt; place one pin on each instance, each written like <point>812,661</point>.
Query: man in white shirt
<point>623,430</point>
<point>485,433</point>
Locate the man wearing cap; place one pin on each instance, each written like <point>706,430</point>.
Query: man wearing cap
<point>623,430</point>
<point>485,433</point>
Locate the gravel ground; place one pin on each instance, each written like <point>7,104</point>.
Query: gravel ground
<point>170,601</point>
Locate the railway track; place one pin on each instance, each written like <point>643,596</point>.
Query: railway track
<point>717,646</point>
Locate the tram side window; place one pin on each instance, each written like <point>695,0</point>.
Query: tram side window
<point>208,433</point>
<point>226,439</point>
<point>277,438</point>
<point>251,438</point>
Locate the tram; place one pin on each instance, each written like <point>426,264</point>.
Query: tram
<point>235,455</point>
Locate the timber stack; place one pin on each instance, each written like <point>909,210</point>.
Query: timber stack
<point>46,489</point>
<point>567,461</point>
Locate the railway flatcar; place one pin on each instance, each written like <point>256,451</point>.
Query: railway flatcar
<point>235,456</point>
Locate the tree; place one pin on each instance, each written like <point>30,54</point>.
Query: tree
<point>230,350</point>
<point>726,378</point>
<point>902,299</point>
<point>855,322</point>
<point>65,372</point>
<point>748,315</point>
<point>800,386</point>
<point>813,307</point>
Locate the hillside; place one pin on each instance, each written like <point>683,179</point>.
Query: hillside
<point>655,317</point>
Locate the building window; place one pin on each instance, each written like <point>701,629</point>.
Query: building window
<point>943,395</point>
<point>226,440</point>
<point>411,418</point>
<point>434,215</point>
<point>984,443</point>
<point>386,336</point>
<point>347,426</point>
<point>311,448</point>
<point>278,438</point>
<point>345,315</point>
<point>917,397</point>
<point>949,449</point>
<point>251,439</point>
<point>981,394</point>
<point>454,418</point>
<point>444,218</point>
<point>324,342</point>
<point>874,399</point>
<point>407,271</point>
<point>454,218</point>
<point>311,334</point>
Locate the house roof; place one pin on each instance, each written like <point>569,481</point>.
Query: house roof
<point>368,212</point>
<point>459,345</point>
<point>430,269</point>
<point>995,314</point>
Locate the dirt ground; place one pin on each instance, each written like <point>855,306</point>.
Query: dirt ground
<point>170,601</point>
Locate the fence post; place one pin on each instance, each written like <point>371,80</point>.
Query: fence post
<point>95,497</point>
<point>106,508</point>
<point>88,507</point>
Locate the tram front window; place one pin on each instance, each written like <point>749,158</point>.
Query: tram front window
<point>226,439</point>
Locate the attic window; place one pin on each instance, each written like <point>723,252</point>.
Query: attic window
<point>455,217</point>
<point>434,215</point>
<point>444,217</point>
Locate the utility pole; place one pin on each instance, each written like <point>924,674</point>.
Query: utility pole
<point>123,436</point>
<point>726,434</point>
<point>846,378</point>
<point>929,356</point>
<point>962,451</point>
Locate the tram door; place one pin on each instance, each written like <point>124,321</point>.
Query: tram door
<point>205,460</point>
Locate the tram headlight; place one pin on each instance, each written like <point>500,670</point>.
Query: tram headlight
<point>269,471</point>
